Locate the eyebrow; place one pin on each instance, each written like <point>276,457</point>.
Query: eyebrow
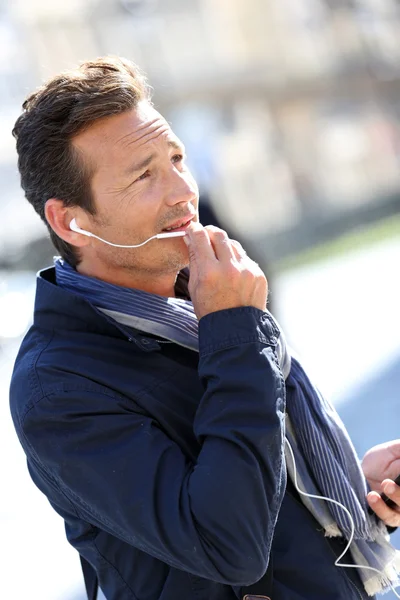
<point>139,166</point>
<point>175,145</point>
<point>136,167</point>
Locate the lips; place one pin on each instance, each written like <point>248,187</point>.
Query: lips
<point>180,225</point>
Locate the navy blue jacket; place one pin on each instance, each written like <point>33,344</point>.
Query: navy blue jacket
<point>167,465</point>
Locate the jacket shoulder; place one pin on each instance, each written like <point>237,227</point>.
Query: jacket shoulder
<point>50,363</point>
<point>26,386</point>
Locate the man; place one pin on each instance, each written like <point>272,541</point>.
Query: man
<point>154,413</point>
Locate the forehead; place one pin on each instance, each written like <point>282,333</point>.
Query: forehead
<point>133,130</point>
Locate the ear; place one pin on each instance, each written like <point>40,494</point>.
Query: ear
<point>59,218</point>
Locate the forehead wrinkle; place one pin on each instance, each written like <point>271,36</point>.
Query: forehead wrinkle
<point>153,135</point>
<point>143,126</point>
<point>141,132</point>
<point>149,136</point>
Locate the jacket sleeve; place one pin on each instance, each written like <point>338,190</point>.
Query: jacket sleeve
<point>215,518</point>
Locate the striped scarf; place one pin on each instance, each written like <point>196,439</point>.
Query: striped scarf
<point>326,461</point>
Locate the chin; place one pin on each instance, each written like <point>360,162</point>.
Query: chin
<point>178,260</point>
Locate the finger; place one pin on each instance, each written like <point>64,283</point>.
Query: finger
<point>388,515</point>
<point>239,251</point>
<point>394,447</point>
<point>221,243</point>
<point>244,259</point>
<point>392,492</point>
<point>199,244</point>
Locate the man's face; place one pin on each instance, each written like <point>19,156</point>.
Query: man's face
<point>141,186</point>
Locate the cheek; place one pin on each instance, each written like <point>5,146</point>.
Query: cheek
<point>192,184</point>
<point>141,203</point>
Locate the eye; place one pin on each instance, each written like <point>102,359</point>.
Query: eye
<point>143,176</point>
<point>177,158</point>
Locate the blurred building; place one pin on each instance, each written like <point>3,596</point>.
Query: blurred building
<point>290,109</point>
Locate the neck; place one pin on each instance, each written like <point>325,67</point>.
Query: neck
<point>153,283</point>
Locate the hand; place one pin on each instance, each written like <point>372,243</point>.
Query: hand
<point>221,274</point>
<point>381,466</point>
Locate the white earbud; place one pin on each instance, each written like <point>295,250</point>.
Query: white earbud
<point>170,234</point>
<point>75,227</point>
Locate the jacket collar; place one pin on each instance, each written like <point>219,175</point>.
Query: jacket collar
<point>56,308</point>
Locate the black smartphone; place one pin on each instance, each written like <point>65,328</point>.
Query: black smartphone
<point>387,500</point>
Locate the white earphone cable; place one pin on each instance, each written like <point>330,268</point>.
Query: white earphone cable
<point>337,564</point>
<point>168,234</point>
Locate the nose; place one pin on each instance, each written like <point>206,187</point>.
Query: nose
<point>181,187</point>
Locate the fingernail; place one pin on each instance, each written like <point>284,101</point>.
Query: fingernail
<point>373,499</point>
<point>389,489</point>
<point>186,240</point>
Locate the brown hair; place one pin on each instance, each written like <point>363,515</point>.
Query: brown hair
<point>49,165</point>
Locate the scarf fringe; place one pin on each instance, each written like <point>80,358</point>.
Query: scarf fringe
<point>379,584</point>
<point>332,530</point>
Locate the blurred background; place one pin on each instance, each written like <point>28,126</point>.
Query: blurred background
<point>290,112</point>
